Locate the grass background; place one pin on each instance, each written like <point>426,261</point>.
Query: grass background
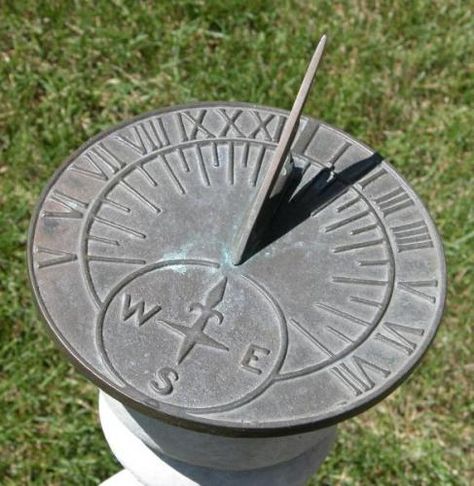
<point>397,74</point>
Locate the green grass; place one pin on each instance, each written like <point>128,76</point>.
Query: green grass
<point>396,74</point>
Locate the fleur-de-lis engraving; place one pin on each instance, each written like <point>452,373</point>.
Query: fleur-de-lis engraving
<point>205,311</point>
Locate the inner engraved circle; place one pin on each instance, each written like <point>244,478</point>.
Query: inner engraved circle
<point>204,366</point>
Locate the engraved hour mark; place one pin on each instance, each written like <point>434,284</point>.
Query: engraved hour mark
<point>258,165</point>
<point>358,377</point>
<point>372,263</point>
<point>397,336</point>
<point>74,207</point>
<point>173,176</point>
<point>245,155</point>
<point>311,338</point>
<point>414,287</point>
<point>147,175</point>
<point>115,204</point>
<point>340,334</point>
<point>359,281</point>
<point>230,165</point>
<point>344,222</point>
<point>348,204</point>
<point>412,236</point>
<point>215,155</point>
<point>138,195</point>
<point>364,229</point>
<point>393,201</point>
<point>368,302</point>
<point>344,315</point>
<point>103,240</point>
<point>183,160</point>
<point>120,227</point>
<point>105,259</point>
<point>372,177</point>
<point>358,246</point>
<point>59,257</point>
<point>146,136</point>
<point>202,166</point>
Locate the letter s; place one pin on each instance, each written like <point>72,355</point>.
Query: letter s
<point>164,378</point>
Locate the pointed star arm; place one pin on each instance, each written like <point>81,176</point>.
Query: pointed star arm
<point>179,328</point>
<point>216,294</point>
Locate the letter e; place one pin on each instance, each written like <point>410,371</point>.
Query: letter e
<point>252,356</point>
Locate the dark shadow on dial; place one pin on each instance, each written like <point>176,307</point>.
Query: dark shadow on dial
<point>314,196</point>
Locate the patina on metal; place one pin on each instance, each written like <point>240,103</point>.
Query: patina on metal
<point>132,254</point>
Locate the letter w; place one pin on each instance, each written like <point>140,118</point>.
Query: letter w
<point>129,310</point>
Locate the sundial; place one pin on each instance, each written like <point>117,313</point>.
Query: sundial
<point>237,269</point>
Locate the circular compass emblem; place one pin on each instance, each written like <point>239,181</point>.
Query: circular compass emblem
<point>193,337</point>
<point>129,256</point>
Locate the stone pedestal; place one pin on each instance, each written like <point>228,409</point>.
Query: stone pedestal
<point>154,453</point>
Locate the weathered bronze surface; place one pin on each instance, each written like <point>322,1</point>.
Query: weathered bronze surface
<point>129,258</point>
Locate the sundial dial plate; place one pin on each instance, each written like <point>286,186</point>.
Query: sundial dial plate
<point>130,264</point>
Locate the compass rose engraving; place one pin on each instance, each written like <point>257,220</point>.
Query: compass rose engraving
<point>205,312</point>
<point>217,341</point>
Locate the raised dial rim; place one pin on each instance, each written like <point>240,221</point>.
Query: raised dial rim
<point>206,425</point>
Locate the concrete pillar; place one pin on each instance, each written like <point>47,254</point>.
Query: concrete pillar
<point>154,453</point>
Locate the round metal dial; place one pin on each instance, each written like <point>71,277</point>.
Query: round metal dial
<point>129,261</point>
